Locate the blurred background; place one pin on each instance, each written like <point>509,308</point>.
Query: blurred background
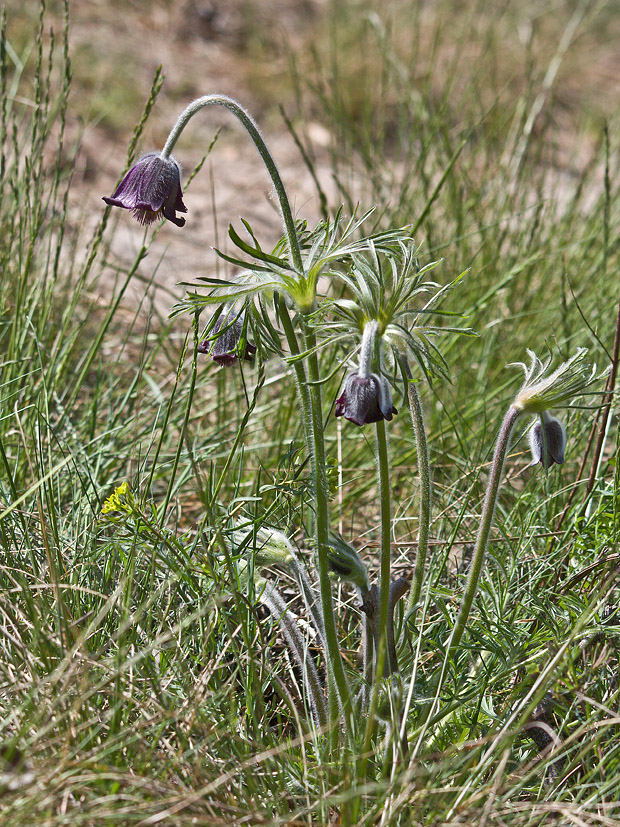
<point>380,95</point>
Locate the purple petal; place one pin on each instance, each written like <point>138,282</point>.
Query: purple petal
<point>150,189</point>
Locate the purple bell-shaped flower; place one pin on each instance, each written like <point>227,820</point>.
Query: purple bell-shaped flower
<point>151,189</point>
<point>365,399</point>
<point>225,348</point>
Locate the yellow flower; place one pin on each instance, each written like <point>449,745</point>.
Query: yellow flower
<point>117,500</point>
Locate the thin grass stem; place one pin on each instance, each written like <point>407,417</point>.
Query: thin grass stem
<point>425,495</point>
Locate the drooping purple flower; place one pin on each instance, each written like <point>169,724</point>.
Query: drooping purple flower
<point>365,399</point>
<point>225,348</point>
<point>547,446</point>
<point>151,188</point>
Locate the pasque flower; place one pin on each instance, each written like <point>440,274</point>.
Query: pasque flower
<point>547,441</point>
<point>366,397</point>
<point>539,392</point>
<point>151,189</point>
<point>225,342</point>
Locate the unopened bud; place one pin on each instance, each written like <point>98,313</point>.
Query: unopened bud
<point>272,546</point>
<point>547,441</point>
<point>345,562</point>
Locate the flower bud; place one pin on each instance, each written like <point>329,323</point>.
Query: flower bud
<point>225,348</point>
<point>272,546</point>
<point>547,441</point>
<point>345,562</point>
<point>151,189</point>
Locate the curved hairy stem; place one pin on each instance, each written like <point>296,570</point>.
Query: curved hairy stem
<point>475,569</point>
<point>273,600</point>
<point>486,521</point>
<point>309,596</point>
<point>252,129</point>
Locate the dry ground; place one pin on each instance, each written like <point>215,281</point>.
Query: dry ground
<point>243,48</point>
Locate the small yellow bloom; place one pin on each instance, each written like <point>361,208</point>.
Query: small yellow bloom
<point>115,501</point>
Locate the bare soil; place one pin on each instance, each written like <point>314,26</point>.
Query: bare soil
<point>203,47</point>
<point>243,48</point>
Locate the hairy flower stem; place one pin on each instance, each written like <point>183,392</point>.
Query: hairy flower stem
<point>368,647</point>
<point>276,604</point>
<point>335,667</point>
<point>310,396</point>
<point>301,379</point>
<point>252,129</point>
<point>417,420</point>
<point>383,471</point>
<point>486,521</point>
<point>290,231</point>
<point>309,596</point>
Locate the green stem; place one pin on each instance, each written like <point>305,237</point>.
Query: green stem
<point>368,648</point>
<point>301,378</point>
<point>252,129</point>
<point>383,471</point>
<point>321,532</point>
<point>482,541</point>
<point>417,420</point>
<point>486,522</point>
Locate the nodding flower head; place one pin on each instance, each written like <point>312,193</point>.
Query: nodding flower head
<point>540,392</point>
<point>547,441</point>
<point>366,397</point>
<point>224,343</point>
<point>151,189</point>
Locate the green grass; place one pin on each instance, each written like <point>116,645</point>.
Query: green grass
<point>139,679</point>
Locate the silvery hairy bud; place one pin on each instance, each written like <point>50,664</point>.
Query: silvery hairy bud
<point>547,441</point>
